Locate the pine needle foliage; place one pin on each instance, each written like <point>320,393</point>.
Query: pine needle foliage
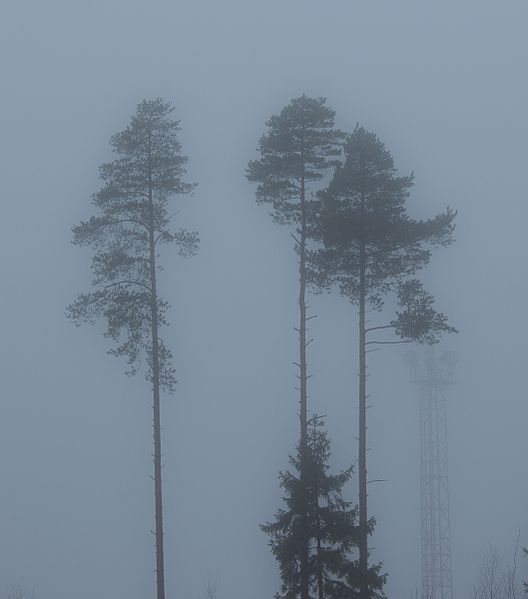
<point>362,217</point>
<point>133,210</point>
<point>300,146</point>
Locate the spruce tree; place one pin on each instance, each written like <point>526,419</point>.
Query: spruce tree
<point>330,524</point>
<point>525,584</point>
<point>132,221</point>
<point>371,247</point>
<point>300,145</point>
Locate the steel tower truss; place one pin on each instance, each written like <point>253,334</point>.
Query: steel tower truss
<point>433,380</point>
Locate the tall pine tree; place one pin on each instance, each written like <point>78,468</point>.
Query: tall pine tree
<point>330,523</point>
<point>372,247</point>
<point>133,214</point>
<point>300,145</point>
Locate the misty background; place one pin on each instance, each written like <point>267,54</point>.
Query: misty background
<point>444,86</point>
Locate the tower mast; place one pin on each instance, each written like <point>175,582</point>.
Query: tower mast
<point>433,377</point>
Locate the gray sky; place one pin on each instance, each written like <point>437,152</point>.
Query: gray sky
<point>444,85</point>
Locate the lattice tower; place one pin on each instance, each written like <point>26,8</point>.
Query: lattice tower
<point>433,377</point>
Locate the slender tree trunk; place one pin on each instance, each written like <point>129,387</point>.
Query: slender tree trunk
<point>363,532</point>
<point>320,570</point>
<point>319,548</point>
<point>160,561</point>
<point>303,411</point>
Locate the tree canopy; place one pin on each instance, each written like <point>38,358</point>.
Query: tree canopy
<point>364,226</point>
<point>133,206</point>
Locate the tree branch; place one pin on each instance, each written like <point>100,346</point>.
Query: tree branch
<point>129,220</point>
<point>388,342</point>
<point>126,282</point>
<point>386,326</point>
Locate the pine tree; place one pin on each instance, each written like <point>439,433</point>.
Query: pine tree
<point>132,221</point>
<point>331,526</point>
<point>300,145</point>
<point>372,247</point>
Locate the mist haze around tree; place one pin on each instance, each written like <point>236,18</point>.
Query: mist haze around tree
<point>443,86</point>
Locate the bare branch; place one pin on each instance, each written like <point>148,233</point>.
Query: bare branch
<point>386,326</point>
<point>126,282</point>
<point>388,342</point>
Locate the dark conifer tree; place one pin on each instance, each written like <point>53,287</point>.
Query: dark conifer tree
<point>331,526</point>
<point>525,584</point>
<point>372,247</point>
<point>300,145</point>
<point>132,221</point>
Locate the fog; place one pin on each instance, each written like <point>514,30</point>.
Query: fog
<point>444,86</point>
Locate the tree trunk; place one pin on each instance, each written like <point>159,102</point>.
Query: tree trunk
<point>303,411</point>
<point>363,531</point>
<point>160,561</point>
<point>320,577</point>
